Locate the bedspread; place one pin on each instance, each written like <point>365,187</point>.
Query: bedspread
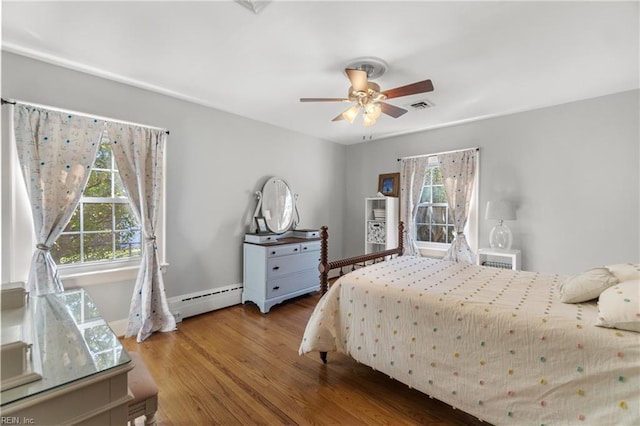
<point>495,343</point>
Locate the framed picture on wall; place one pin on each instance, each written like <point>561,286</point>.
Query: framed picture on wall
<point>389,184</point>
<point>261,225</point>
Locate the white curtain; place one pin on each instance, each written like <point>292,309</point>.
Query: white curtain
<point>139,153</point>
<point>412,171</point>
<point>458,173</point>
<point>56,150</point>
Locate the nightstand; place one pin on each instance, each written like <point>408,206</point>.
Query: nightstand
<point>507,259</point>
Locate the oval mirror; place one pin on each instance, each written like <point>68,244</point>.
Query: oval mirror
<point>277,205</point>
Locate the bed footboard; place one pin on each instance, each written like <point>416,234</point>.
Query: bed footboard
<point>326,266</point>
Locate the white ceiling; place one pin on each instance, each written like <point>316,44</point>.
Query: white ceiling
<point>484,58</point>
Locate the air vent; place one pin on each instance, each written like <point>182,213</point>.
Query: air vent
<point>421,104</point>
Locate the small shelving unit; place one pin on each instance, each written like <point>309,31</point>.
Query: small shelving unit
<point>507,259</point>
<point>381,223</point>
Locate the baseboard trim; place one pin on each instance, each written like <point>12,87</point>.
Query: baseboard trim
<point>188,305</point>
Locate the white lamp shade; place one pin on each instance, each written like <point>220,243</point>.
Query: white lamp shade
<point>500,210</point>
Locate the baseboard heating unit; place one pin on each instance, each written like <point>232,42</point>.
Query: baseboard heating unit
<point>188,305</point>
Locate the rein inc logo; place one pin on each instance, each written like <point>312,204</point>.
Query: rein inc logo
<point>16,420</point>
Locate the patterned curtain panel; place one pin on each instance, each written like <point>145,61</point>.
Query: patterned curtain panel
<point>458,173</point>
<point>412,171</point>
<point>56,151</point>
<point>138,152</point>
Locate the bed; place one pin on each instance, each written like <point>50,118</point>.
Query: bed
<point>496,343</point>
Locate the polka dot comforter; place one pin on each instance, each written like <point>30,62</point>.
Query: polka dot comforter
<point>495,343</point>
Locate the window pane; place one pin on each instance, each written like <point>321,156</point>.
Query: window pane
<point>98,246</point>
<point>422,233</point>
<point>99,184</point>
<point>74,223</point>
<point>427,176</point>
<point>439,215</point>
<point>128,244</point>
<point>439,195</point>
<point>103,157</point>
<point>98,217</point>
<point>426,195</point>
<point>437,176</point>
<point>124,217</point>
<point>439,234</point>
<point>66,249</point>
<point>118,187</point>
<point>422,215</point>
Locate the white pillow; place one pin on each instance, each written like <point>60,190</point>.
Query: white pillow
<point>586,286</point>
<point>625,271</point>
<point>619,306</point>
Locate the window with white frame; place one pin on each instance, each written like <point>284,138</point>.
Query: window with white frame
<point>103,227</point>
<point>433,220</point>
<point>434,225</point>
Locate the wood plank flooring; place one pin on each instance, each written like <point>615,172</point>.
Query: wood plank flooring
<point>236,366</point>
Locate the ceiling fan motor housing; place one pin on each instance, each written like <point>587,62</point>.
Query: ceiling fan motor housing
<point>374,67</point>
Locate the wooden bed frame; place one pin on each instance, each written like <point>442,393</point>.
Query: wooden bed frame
<point>355,261</point>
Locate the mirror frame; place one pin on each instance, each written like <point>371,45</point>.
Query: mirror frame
<point>272,220</point>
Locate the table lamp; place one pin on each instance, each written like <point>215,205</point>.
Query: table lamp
<point>500,236</point>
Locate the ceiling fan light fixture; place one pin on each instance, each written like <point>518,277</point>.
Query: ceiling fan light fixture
<point>368,119</point>
<point>351,114</point>
<point>373,110</point>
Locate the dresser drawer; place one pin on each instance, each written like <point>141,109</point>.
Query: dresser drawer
<point>311,246</point>
<point>290,283</point>
<point>276,251</point>
<point>283,265</point>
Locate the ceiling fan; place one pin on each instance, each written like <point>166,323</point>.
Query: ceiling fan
<point>368,96</point>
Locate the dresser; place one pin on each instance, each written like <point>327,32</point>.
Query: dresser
<point>275,271</point>
<point>81,366</point>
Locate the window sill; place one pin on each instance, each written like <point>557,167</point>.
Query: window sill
<point>435,251</point>
<point>76,278</point>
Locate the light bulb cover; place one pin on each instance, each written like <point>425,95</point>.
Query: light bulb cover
<point>368,119</point>
<point>351,114</point>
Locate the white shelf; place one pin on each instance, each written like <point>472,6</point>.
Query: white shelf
<point>509,259</point>
<point>381,232</point>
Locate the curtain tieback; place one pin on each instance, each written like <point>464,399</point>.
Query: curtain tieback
<point>459,233</point>
<point>152,240</point>
<point>43,247</point>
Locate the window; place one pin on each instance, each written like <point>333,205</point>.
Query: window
<point>103,227</point>
<point>434,223</point>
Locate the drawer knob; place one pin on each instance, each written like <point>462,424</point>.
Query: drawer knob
<point>273,252</point>
<point>275,268</point>
<point>295,249</point>
<point>276,287</point>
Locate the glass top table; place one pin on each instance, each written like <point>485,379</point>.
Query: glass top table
<point>71,341</point>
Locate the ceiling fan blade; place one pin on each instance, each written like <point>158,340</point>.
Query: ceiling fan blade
<point>358,79</point>
<point>409,89</point>
<point>392,110</point>
<point>338,118</point>
<point>324,100</point>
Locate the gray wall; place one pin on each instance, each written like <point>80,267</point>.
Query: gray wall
<point>215,163</point>
<point>572,171</point>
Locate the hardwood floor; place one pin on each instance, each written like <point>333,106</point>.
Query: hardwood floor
<point>236,366</point>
